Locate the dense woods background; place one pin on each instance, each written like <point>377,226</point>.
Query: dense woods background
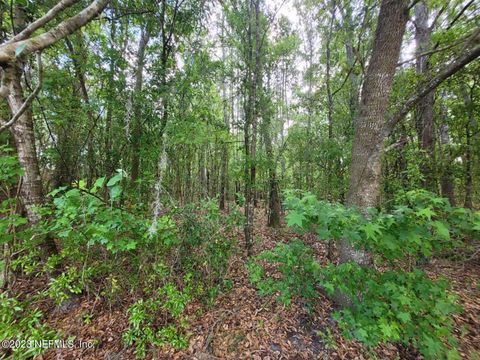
<point>161,161</point>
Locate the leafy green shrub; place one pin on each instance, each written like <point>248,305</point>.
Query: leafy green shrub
<point>395,306</point>
<point>18,323</point>
<point>399,304</point>
<point>65,285</point>
<point>81,217</point>
<point>421,225</point>
<point>206,244</point>
<point>10,220</point>
<point>107,243</point>
<point>167,303</point>
<point>299,272</point>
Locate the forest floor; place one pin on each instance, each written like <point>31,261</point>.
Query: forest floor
<point>243,325</point>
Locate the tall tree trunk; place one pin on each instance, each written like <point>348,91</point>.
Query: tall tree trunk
<point>137,105</point>
<point>350,54</point>
<point>424,116</point>
<point>224,160</point>
<point>447,184</point>
<point>24,137</point>
<point>330,160</point>
<point>469,128</point>
<point>31,192</point>
<point>365,168</point>
<point>108,166</point>
<point>251,112</point>
<point>274,208</point>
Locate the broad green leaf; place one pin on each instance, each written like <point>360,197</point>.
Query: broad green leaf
<point>442,229</point>
<point>295,218</point>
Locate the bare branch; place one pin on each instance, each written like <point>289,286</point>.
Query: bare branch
<point>37,24</point>
<point>29,99</point>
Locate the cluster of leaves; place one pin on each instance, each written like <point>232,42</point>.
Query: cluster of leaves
<point>207,245</point>
<point>423,224</point>
<point>17,322</point>
<point>395,306</point>
<point>10,173</point>
<point>113,249</point>
<point>197,257</point>
<point>299,272</point>
<point>400,304</point>
<point>167,303</point>
<point>81,216</point>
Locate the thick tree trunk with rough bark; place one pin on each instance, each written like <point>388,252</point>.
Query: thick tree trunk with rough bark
<point>21,125</point>
<point>24,137</point>
<point>365,169</point>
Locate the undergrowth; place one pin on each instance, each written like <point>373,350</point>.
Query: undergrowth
<point>394,301</point>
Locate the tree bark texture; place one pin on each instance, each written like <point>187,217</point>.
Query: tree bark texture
<point>365,169</point>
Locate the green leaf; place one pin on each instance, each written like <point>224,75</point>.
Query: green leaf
<point>114,180</point>
<point>115,192</point>
<point>404,317</point>
<point>295,218</point>
<point>426,212</point>
<point>56,191</point>
<point>98,184</point>
<point>442,230</point>
<point>372,230</point>
<point>453,354</point>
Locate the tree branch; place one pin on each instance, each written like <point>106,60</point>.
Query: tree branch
<point>436,50</point>
<point>62,30</point>
<point>431,85</point>
<point>30,98</point>
<point>37,24</point>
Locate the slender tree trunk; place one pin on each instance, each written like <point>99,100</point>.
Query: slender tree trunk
<point>330,247</point>
<point>92,120</point>
<point>137,106</point>
<point>424,118</point>
<point>350,54</point>
<point>224,160</point>
<point>447,184</point>
<point>251,111</point>
<point>109,162</point>
<point>469,128</point>
<point>274,208</point>
<point>365,168</point>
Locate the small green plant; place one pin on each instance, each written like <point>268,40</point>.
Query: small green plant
<point>87,318</point>
<point>18,322</point>
<point>65,285</point>
<point>167,302</point>
<point>328,338</point>
<point>298,268</point>
<point>395,306</point>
